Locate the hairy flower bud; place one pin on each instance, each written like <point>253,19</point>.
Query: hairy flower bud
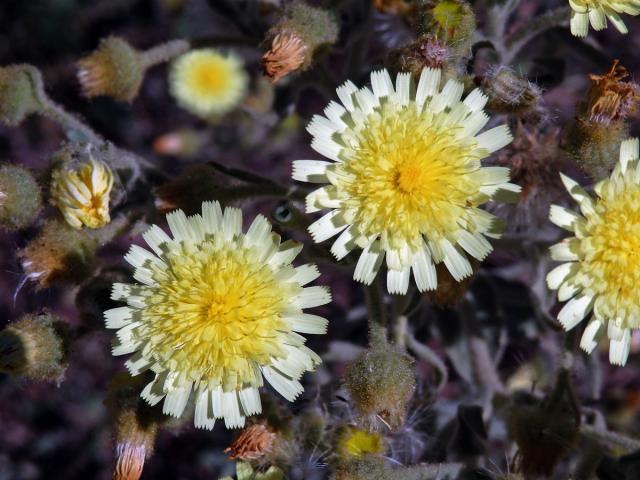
<point>510,92</point>
<point>426,52</point>
<point>20,197</point>
<point>115,69</point>
<point>452,21</point>
<point>18,94</point>
<point>294,40</point>
<point>34,347</point>
<point>381,383</point>
<point>593,139</point>
<point>58,254</point>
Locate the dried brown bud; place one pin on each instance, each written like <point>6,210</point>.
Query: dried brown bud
<point>611,96</point>
<point>294,40</point>
<point>450,291</point>
<point>286,54</point>
<point>425,52</point>
<point>253,443</point>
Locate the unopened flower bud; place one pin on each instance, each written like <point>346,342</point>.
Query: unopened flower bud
<point>510,92</point>
<point>81,192</point>
<point>593,139</point>
<point>34,347</point>
<point>18,93</point>
<point>20,197</point>
<point>114,69</point>
<point>117,69</point>
<point>295,39</point>
<point>254,442</point>
<point>58,254</point>
<point>367,468</point>
<point>452,21</point>
<point>380,383</point>
<point>426,52</point>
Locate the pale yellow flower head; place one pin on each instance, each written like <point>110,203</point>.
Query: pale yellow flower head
<point>596,13</point>
<point>82,193</point>
<point>208,83</point>
<point>405,178</point>
<point>216,312</point>
<point>602,270</point>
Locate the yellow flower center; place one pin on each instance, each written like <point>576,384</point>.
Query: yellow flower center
<point>215,313</point>
<point>210,76</point>
<point>356,443</point>
<point>611,252</point>
<point>408,175</point>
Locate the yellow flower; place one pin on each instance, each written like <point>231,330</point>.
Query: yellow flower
<point>355,443</point>
<point>406,178</point>
<point>597,12</point>
<point>217,310</point>
<point>602,269</point>
<point>82,193</point>
<point>207,83</point>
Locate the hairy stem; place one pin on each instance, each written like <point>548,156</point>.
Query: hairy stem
<point>377,315</point>
<point>164,52</point>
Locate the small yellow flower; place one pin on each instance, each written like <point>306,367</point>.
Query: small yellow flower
<point>597,12</point>
<point>82,193</point>
<point>216,311</point>
<point>406,179</point>
<point>355,443</point>
<point>602,272</point>
<point>207,83</point>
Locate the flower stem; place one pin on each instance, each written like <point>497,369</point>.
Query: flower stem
<point>164,52</point>
<point>377,316</point>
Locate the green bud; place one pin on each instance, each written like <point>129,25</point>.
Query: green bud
<point>297,37</point>
<point>18,94</point>
<point>381,383</point>
<point>452,21</point>
<point>59,254</point>
<point>115,69</point>
<point>595,147</point>
<point>20,197</point>
<point>34,347</point>
<point>367,468</point>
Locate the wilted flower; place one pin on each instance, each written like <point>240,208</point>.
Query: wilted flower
<point>216,311</point>
<point>406,179</point>
<point>611,96</point>
<point>253,443</point>
<point>294,40</point>
<point>82,193</point>
<point>208,83</point>
<point>601,272</point>
<point>597,12</point>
